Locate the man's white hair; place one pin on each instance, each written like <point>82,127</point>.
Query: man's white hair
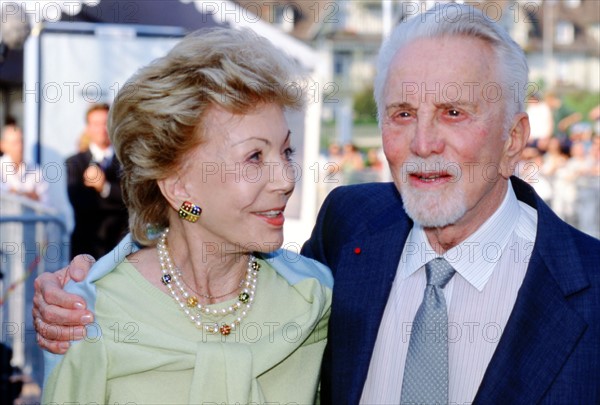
<point>453,19</point>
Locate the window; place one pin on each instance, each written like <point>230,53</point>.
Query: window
<point>564,33</point>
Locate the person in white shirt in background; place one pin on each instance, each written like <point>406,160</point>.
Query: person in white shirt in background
<point>17,177</point>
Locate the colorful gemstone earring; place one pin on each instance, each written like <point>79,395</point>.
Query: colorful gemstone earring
<point>189,211</point>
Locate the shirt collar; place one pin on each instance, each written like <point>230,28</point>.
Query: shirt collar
<point>475,258</point>
<point>99,154</point>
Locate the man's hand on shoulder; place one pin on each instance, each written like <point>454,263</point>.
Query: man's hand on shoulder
<point>58,316</point>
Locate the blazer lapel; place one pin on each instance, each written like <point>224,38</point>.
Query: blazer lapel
<point>363,283</point>
<point>540,335</point>
<point>542,329</point>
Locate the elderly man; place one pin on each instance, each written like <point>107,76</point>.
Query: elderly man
<point>516,318</point>
<point>457,283</point>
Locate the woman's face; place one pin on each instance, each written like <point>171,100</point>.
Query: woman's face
<point>241,177</point>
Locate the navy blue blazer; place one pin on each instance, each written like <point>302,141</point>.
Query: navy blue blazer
<point>549,352</point>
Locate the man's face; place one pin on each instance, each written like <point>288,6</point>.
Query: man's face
<point>96,128</point>
<point>443,131</point>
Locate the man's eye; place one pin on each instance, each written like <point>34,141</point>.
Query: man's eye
<point>453,113</point>
<point>401,114</point>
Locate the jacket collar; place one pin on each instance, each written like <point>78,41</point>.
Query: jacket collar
<point>555,251</point>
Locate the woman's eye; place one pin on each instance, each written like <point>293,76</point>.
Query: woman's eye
<point>289,153</point>
<point>255,157</point>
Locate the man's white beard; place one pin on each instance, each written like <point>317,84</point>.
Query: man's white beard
<point>433,208</point>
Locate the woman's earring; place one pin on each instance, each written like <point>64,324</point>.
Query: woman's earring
<point>190,212</point>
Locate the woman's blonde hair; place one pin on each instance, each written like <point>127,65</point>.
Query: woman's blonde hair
<point>157,115</point>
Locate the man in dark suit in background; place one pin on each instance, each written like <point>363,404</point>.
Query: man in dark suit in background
<point>94,190</point>
<point>522,306</point>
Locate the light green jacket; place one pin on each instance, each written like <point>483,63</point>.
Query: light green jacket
<point>142,349</point>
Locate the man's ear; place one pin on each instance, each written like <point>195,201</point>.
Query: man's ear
<point>173,189</point>
<point>514,144</point>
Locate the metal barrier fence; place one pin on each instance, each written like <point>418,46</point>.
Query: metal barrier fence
<point>587,206</point>
<point>575,200</point>
<point>33,239</point>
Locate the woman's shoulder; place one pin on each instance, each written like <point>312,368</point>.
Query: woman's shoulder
<point>101,269</point>
<point>296,268</point>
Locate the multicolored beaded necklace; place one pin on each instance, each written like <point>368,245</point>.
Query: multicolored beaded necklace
<point>172,279</point>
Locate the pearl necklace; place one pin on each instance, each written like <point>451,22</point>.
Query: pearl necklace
<point>210,297</point>
<point>189,303</point>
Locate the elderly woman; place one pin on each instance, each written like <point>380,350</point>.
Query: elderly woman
<point>197,305</point>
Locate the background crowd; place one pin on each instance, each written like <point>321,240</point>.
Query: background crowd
<point>562,161</point>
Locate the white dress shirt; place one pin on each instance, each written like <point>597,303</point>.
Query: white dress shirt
<point>22,179</point>
<point>98,156</point>
<point>490,266</point>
